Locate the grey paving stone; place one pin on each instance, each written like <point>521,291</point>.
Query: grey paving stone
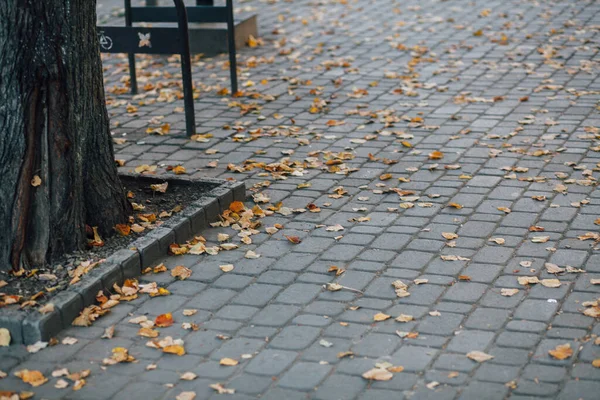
<point>304,376</point>
<point>271,362</point>
<point>295,337</point>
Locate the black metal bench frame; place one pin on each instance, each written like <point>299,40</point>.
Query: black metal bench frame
<point>161,40</point>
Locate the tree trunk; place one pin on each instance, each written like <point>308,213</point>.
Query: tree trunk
<point>53,125</point>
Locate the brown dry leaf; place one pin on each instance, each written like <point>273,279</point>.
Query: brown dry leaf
<point>189,312</point>
<point>338,271</point>
<point>229,362</point>
<point>293,239</point>
<point>344,354</point>
<point>553,268</point>
<point>508,292</point>
<point>334,228</point>
<point>109,332</point>
<point>455,205</point>
<point>385,177</point>
<point>500,241</point>
<point>550,283</point>
<point>404,318</point>
<point>251,255</point>
<point>562,351</point>
<point>378,374</point>
<point>160,187</point>
<point>420,281</point>
<point>174,349</point>
<point>119,355</point>
<point>148,332</point>
<point>595,281</point>
<point>479,356</point>
<point>188,376</point>
<point>181,272</point>
<point>221,389</point>
<point>528,280</point>
<point>177,250</point>
<point>380,317</point>
<point>226,267</point>
<point>449,235</point>
<point>536,228</point>
<point>34,378</point>
<point>164,320</point>
<point>4,337</point>
<point>436,155</point>
<point>69,341</point>
<point>61,384</point>
<point>464,278</point>
<point>505,210</point>
<point>540,239</point>
<point>596,363</point>
<point>186,396</point>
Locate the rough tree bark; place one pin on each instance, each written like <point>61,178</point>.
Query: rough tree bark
<point>54,125</point>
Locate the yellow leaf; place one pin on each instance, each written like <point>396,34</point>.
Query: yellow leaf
<point>36,181</point>
<point>34,378</point>
<point>380,317</point>
<point>562,351</point>
<point>174,349</point>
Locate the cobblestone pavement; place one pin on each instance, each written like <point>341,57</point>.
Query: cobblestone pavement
<point>340,94</point>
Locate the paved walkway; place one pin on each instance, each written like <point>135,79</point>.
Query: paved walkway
<point>439,135</point>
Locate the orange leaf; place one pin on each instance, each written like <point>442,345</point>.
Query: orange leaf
<point>561,352</point>
<point>436,155</point>
<point>174,349</point>
<point>164,320</point>
<point>237,206</point>
<point>123,229</point>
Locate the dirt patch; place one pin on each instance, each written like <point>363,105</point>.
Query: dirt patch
<point>47,280</point>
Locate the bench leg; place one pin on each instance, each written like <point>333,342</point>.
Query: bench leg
<point>231,45</point>
<point>132,78</point>
<point>186,69</point>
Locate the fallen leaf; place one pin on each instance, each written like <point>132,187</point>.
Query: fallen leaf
<point>404,318</point>
<point>109,332</point>
<point>61,384</point>
<point>436,155</point>
<point>550,283</point>
<point>221,389</point>
<point>251,255</point>
<point>186,396</point>
<point>449,235</point>
<point>293,239</point>
<point>226,267</point>
<point>69,341</point>
<point>378,374</point>
<point>553,268</point>
<point>381,317</point>
<point>229,362</point>
<point>34,378</point>
<point>528,280</point>
<point>498,240</point>
<point>334,287</point>
<point>164,320</point>
<point>37,346</point>
<point>508,292</point>
<point>181,272</point>
<point>562,351</point>
<point>325,343</point>
<point>174,349</point>
<point>188,376</point>
<point>540,239</point>
<point>596,363</point>
<point>479,356</point>
<point>344,354</point>
<point>119,355</point>
<point>46,308</point>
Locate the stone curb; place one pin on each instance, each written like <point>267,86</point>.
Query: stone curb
<point>124,264</point>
